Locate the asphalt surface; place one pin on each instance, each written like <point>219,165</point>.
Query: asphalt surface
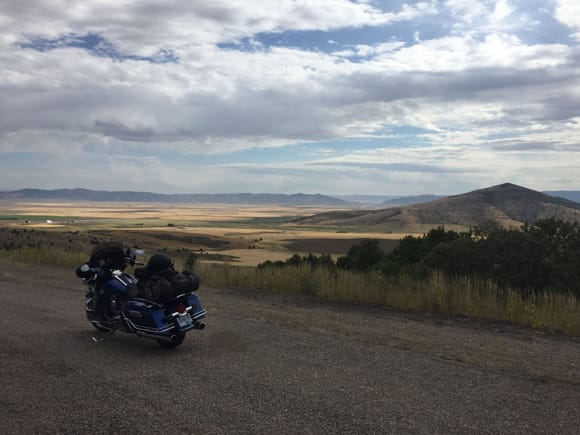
<point>270,364</point>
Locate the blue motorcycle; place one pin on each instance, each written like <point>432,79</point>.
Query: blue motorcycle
<point>160,304</point>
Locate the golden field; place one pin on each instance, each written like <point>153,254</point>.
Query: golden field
<point>242,234</point>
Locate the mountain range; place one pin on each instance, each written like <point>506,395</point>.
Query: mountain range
<point>298,199</point>
<point>572,195</point>
<point>236,198</point>
<point>506,204</point>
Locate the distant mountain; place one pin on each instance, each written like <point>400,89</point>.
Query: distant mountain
<point>387,200</point>
<point>365,199</point>
<point>572,195</point>
<point>506,204</point>
<point>407,200</point>
<point>298,199</point>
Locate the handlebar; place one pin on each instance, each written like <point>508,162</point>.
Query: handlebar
<point>91,271</point>
<point>131,257</point>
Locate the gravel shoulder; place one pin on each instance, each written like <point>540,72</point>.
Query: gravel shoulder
<point>270,363</point>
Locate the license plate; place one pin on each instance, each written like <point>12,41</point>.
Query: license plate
<point>184,321</point>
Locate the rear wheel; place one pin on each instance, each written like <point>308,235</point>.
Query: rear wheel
<point>173,344</point>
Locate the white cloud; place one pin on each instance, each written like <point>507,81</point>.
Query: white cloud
<point>501,11</point>
<point>467,10</point>
<point>489,17</point>
<point>479,82</point>
<point>276,96</point>
<point>145,27</point>
<point>568,12</point>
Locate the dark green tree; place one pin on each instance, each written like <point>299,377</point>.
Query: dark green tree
<point>364,256</point>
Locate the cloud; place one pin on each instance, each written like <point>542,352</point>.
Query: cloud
<point>568,12</point>
<point>163,79</point>
<point>518,146</point>
<point>144,27</point>
<point>268,97</point>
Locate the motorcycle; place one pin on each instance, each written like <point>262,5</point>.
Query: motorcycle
<point>116,300</point>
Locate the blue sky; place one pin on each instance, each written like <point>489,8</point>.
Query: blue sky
<point>315,96</point>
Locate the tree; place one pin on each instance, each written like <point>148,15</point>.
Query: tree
<point>364,256</point>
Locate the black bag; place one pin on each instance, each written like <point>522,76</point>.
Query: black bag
<point>166,284</point>
<point>158,288</point>
<point>193,280</point>
<point>180,283</point>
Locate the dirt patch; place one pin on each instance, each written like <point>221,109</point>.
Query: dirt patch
<point>333,246</point>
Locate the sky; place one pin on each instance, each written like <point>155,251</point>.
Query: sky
<point>337,97</point>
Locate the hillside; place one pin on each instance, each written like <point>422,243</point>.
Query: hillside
<point>126,196</point>
<point>506,204</point>
<point>408,200</point>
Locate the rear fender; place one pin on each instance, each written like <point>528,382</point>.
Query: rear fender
<point>197,311</point>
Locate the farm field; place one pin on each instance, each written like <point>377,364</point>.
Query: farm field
<point>245,235</point>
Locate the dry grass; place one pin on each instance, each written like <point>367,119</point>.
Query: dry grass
<point>161,211</point>
<point>44,256</point>
<point>438,294</point>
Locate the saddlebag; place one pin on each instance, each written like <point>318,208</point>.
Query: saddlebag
<point>168,284</point>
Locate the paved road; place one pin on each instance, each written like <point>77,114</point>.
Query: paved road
<point>274,364</point>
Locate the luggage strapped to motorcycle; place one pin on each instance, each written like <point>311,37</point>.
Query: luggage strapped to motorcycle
<point>168,284</point>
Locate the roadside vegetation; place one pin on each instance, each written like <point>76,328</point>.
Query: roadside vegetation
<point>44,256</point>
<point>529,276</point>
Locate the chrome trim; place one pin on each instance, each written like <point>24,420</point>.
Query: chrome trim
<point>147,329</point>
<point>177,313</point>
<point>146,302</point>
<point>199,315</point>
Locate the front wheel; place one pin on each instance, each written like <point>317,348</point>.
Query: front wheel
<point>173,344</point>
